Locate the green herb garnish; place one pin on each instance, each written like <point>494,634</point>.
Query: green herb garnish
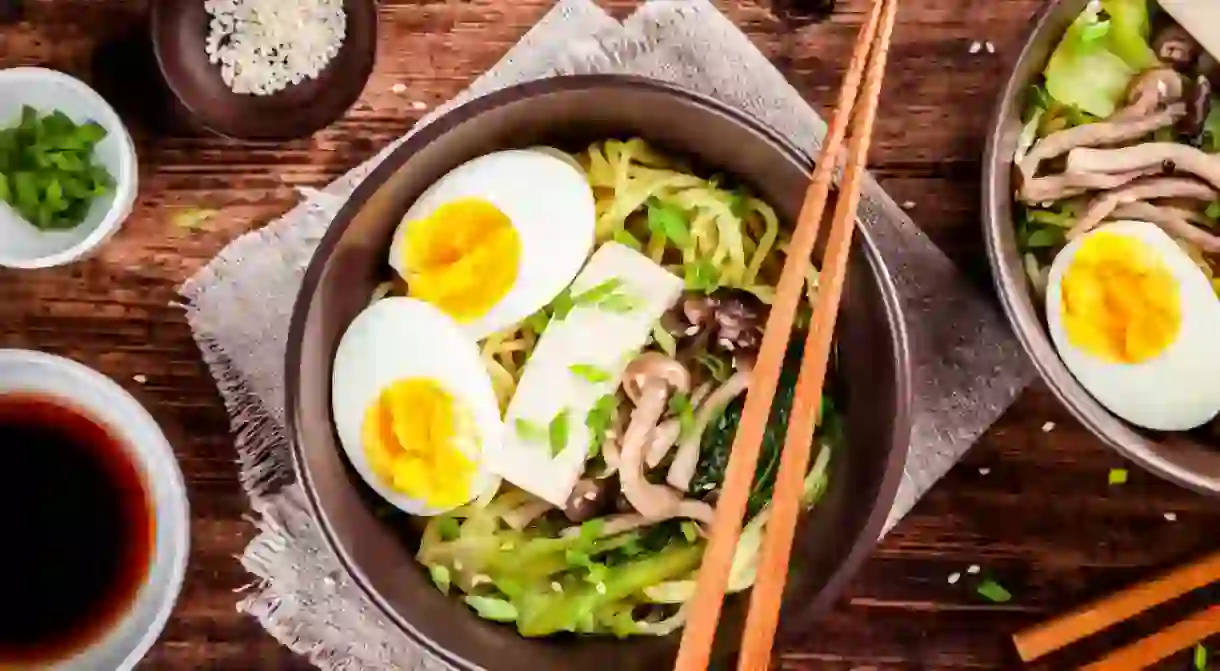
<point>599,420</point>
<point>680,405</point>
<point>668,222</point>
<point>47,173</point>
<point>490,608</point>
<point>1118,476</point>
<point>628,240</point>
<point>440,577</point>
<point>994,592</point>
<point>530,432</point>
<point>1200,658</point>
<point>591,374</point>
<point>558,432</point>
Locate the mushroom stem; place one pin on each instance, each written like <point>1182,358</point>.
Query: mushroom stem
<point>1095,134</point>
<point>1183,158</point>
<point>682,470</point>
<point>660,440</point>
<point>1150,189</point>
<point>1056,187</point>
<point>1173,222</point>
<point>652,501</point>
<point>522,516</point>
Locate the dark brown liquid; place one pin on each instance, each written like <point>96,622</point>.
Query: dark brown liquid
<point>76,525</point>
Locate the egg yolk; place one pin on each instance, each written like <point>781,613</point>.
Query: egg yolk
<point>1120,302</point>
<point>463,258</point>
<point>412,436</point>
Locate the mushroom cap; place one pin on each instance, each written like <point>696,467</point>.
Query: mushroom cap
<point>1157,86</point>
<point>1175,46</point>
<point>651,367</point>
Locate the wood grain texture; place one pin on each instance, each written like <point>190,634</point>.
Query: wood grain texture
<point>1031,507</point>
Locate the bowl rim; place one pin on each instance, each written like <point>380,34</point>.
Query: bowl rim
<point>126,182</point>
<point>364,73</point>
<point>891,479</point>
<point>1013,287</point>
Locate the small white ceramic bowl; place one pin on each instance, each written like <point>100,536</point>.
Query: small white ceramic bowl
<point>100,398</point>
<point>22,245</point>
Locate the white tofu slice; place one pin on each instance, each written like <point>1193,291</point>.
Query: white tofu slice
<point>604,337</point>
<point>1200,18</point>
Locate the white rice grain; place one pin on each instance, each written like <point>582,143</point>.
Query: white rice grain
<point>265,46</point>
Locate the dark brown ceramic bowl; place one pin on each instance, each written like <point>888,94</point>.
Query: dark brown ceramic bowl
<point>179,35</point>
<point>572,112</point>
<point>1180,458</point>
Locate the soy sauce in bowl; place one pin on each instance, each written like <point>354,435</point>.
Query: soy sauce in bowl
<point>78,525</point>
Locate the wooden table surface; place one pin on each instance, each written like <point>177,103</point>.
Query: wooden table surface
<point>1030,504</point>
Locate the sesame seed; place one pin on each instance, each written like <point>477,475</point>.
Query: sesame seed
<point>418,105</point>
<point>1171,517</point>
<point>1048,427</point>
<point>973,569</point>
<point>398,89</point>
<point>140,379</point>
<point>601,588</point>
<point>557,587</point>
<point>976,47</point>
<point>908,205</point>
<point>990,47</point>
<point>984,471</point>
<point>954,577</point>
<point>457,566</point>
<point>691,330</point>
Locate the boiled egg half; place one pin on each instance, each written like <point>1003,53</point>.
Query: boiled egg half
<point>414,408</point>
<point>496,239</point>
<point>1137,322</point>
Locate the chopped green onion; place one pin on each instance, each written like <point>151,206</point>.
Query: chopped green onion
<point>701,276</point>
<point>592,529</point>
<point>537,322</point>
<point>626,239</point>
<point>690,532</point>
<point>598,293</point>
<point>1095,31</point>
<point>490,608</point>
<point>558,431</point>
<point>1213,210</point>
<point>599,420</point>
<point>531,432</point>
<point>664,339</point>
<point>1118,476</point>
<point>577,559</point>
<point>562,305</point>
<point>619,303</point>
<point>680,405</point>
<point>194,218</point>
<point>1200,658</point>
<point>440,577</point>
<point>1043,238</point>
<point>994,592</point>
<point>668,222</point>
<point>449,528</point>
<point>589,373</point>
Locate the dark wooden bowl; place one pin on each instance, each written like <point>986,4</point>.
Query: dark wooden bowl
<point>1179,457</point>
<point>573,111</point>
<point>179,34</point>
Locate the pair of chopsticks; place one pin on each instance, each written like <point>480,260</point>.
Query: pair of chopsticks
<point>867,64</point>
<point>1046,638</point>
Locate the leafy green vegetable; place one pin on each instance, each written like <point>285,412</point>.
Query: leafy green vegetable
<point>994,592</point>
<point>562,306</point>
<point>718,438</point>
<point>490,608</point>
<point>449,528</point>
<point>542,613</point>
<point>558,432</point>
<point>1045,237</point>
<point>440,577</point>
<point>1118,476</point>
<point>530,432</point>
<point>668,222</point>
<point>47,172</point>
<point>589,373</point>
<point>719,369</point>
<point>689,531</point>
<point>1086,73</point>
<point>1127,36</point>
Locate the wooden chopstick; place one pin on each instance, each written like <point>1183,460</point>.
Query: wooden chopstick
<point>767,595</point>
<point>1146,652</point>
<point>705,607</point>
<point>1067,629</point>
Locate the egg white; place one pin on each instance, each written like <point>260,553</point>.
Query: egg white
<point>398,338</point>
<point>1179,389</point>
<point>551,205</point>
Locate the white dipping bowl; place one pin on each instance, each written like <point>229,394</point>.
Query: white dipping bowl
<point>24,246</point>
<point>101,399</point>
